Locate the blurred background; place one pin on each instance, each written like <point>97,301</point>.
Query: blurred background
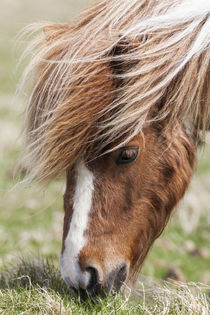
<point>31,218</point>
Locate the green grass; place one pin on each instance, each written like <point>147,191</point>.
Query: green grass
<point>35,287</point>
<point>189,253</point>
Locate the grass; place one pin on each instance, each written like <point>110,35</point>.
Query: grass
<point>36,287</point>
<point>31,218</point>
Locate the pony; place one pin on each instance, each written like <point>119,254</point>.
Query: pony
<point>119,102</point>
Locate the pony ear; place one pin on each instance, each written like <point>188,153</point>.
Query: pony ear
<point>54,31</point>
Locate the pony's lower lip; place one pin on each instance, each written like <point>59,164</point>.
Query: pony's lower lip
<point>69,285</point>
<point>71,289</point>
<point>74,290</point>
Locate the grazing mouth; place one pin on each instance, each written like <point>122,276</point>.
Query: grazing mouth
<point>95,288</point>
<point>98,293</point>
<point>84,294</point>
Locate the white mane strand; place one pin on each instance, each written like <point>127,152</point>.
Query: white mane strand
<point>99,77</point>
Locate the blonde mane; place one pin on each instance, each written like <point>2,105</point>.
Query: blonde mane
<point>96,79</point>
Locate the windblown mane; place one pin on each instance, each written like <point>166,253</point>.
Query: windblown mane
<point>96,80</point>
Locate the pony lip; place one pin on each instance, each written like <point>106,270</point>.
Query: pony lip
<point>125,75</point>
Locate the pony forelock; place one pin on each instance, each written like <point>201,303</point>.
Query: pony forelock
<point>97,79</point>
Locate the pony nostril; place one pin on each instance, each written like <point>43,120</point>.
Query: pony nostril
<point>120,277</point>
<point>112,283</point>
<point>116,278</point>
<point>94,280</point>
<point>122,273</point>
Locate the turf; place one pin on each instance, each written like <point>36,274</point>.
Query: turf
<point>35,287</point>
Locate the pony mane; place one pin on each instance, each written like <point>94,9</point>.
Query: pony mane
<point>96,80</point>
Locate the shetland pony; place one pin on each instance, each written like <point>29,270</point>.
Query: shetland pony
<point>119,102</point>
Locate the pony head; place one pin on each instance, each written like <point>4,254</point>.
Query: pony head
<point>119,102</point>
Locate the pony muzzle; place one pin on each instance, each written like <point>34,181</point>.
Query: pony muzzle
<point>93,279</point>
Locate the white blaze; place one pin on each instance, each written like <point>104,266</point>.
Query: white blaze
<point>75,240</point>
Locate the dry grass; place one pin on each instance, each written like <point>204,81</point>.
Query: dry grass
<point>36,287</point>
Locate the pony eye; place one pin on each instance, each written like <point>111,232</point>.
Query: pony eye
<point>127,155</point>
